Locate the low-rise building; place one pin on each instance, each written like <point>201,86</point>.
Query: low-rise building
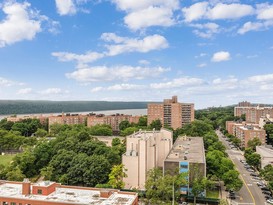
<point>112,120</point>
<point>245,132</point>
<point>266,153</point>
<point>67,119</point>
<point>51,193</point>
<point>265,120</point>
<point>145,150</point>
<point>187,156</point>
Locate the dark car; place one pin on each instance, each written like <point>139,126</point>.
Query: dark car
<point>264,188</point>
<point>267,193</point>
<point>254,174</point>
<point>268,197</point>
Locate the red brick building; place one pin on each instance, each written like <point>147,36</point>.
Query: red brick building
<point>112,120</point>
<point>51,193</point>
<point>171,113</point>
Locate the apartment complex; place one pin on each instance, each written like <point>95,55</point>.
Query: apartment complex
<point>266,153</point>
<point>171,113</point>
<point>188,156</point>
<point>67,119</point>
<point>145,150</point>
<point>41,118</point>
<point>51,193</point>
<point>245,132</point>
<point>253,113</point>
<point>112,120</point>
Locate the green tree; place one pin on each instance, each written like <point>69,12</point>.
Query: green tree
<point>161,188</point>
<point>40,133</point>
<point>15,174</point>
<point>269,133</point>
<point>128,131</point>
<point>47,172</point>
<point>142,122</point>
<point>232,181</point>
<point>156,124</point>
<point>124,124</point>
<point>267,172</point>
<point>116,176</point>
<point>253,143</point>
<point>254,159</point>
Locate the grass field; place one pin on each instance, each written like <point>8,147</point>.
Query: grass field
<point>6,159</point>
<point>212,194</point>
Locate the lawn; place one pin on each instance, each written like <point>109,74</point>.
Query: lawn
<point>6,159</point>
<point>212,194</point>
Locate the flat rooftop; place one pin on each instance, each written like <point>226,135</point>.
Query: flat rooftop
<point>189,149</point>
<point>68,195</point>
<point>265,151</point>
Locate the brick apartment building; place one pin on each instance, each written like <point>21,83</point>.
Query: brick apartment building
<point>245,132</point>
<point>112,120</point>
<point>187,154</point>
<point>145,150</point>
<point>253,113</point>
<point>67,119</point>
<point>41,118</point>
<point>171,113</point>
<point>51,193</point>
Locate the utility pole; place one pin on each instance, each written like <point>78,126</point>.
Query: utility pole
<point>173,193</point>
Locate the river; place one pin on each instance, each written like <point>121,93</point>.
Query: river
<point>106,112</point>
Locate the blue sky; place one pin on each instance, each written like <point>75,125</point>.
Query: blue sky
<point>211,53</point>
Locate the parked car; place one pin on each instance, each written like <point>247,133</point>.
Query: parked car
<point>267,192</point>
<point>265,188</point>
<point>250,170</point>
<point>260,184</point>
<point>270,201</point>
<point>257,178</point>
<point>254,174</point>
<point>243,161</point>
<point>268,197</point>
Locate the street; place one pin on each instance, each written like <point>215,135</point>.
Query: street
<point>250,193</point>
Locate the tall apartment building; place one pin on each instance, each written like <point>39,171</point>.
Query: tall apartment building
<point>244,104</point>
<point>171,113</point>
<point>245,132</point>
<point>187,156</point>
<point>67,119</point>
<point>112,120</point>
<point>145,150</point>
<point>51,193</point>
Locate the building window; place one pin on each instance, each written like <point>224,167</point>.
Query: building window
<point>40,191</point>
<point>183,166</point>
<point>12,203</point>
<point>5,203</point>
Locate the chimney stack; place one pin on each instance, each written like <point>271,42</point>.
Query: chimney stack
<point>26,187</point>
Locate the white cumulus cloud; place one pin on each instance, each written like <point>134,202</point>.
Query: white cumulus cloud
<point>21,23</point>
<point>65,7</point>
<point>88,57</point>
<point>255,26</point>
<point>203,10</point>
<point>177,83</point>
<point>265,12</point>
<point>142,14</point>
<point>124,73</point>
<point>24,91</point>
<point>123,44</point>
<point>220,56</point>
<point>51,91</point>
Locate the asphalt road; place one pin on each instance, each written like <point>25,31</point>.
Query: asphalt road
<point>250,193</point>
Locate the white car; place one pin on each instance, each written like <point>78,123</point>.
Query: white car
<point>270,201</point>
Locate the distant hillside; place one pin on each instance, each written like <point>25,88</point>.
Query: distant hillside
<point>8,107</point>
